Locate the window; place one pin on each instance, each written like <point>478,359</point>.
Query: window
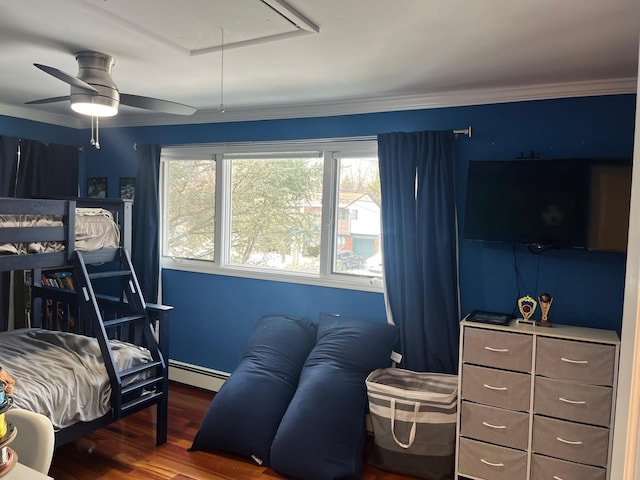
<point>306,212</point>
<point>276,213</point>
<point>190,207</point>
<point>358,230</point>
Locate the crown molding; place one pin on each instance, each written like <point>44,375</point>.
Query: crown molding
<point>61,120</point>
<point>347,107</point>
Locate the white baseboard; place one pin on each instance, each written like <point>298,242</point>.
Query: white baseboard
<point>196,376</point>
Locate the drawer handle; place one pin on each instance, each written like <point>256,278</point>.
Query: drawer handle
<point>491,387</point>
<point>568,360</point>
<point>491,464</point>
<point>569,442</point>
<point>572,402</point>
<point>493,426</point>
<point>556,477</point>
<point>499,350</point>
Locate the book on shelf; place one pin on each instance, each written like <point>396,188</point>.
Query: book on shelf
<point>66,278</point>
<point>58,280</point>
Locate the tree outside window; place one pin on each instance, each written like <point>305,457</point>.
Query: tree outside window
<point>275,215</point>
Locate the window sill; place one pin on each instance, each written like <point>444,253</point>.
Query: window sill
<point>361,283</point>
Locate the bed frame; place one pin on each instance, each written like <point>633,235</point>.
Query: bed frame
<point>120,313</point>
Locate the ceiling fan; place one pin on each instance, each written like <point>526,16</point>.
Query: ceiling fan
<point>94,93</point>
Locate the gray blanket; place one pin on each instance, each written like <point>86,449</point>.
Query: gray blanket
<point>62,375</point>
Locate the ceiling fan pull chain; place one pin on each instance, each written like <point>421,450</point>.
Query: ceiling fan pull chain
<point>93,140</point>
<point>97,133</point>
<point>221,107</point>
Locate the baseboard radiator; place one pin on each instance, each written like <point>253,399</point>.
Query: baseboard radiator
<point>196,376</point>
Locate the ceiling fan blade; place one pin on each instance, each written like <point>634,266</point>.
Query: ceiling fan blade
<point>65,77</point>
<point>48,100</point>
<point>156,104</point>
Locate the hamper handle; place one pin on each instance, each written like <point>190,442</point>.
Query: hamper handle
<point>412,433</point>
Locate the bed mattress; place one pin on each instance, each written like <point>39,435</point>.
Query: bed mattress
<point>62,375</point>
<point>95,229</point>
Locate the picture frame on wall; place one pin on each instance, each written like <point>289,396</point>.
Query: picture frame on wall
<point>127,188</point>
<point>97,187</point>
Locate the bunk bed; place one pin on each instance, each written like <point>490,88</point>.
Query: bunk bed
<point>114,343</point>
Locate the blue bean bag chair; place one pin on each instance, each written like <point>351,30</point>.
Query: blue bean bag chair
<point>322,434</point>
<point>244,415</point>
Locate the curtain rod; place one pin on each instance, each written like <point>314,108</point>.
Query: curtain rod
<point>465,131</point>
<point>367,138</point>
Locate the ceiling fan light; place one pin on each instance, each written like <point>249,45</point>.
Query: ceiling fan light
<point>94,109</point>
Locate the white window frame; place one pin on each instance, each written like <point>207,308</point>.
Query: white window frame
<point>332,149</point>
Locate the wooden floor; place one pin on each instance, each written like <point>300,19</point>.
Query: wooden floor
<point>126,450</point>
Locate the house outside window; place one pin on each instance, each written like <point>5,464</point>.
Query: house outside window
<point>359,224</point>
<point>274,211</point>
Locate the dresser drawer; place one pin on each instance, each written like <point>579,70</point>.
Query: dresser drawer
<point>570,441</point>
<point>492,348</point>
<point>546,468</point>
<point>495,425</point>
<point>496,387</point>
<point>573,401</point>
<point>572,360</point>
<point>482,460</point>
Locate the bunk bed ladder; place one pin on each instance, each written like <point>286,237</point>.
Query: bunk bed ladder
<point>118,311</point>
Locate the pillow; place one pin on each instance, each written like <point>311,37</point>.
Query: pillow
<point>244,415</point>
<point>322,433</point>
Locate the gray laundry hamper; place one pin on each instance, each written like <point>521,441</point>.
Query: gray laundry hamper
<point>414,422</point>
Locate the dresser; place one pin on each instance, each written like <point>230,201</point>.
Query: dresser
<point>535,403</point>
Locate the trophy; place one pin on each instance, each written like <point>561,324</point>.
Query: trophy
<point>527,305</point>
<point>545,304</point>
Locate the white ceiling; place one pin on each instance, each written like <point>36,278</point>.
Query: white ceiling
<point>317,57</point>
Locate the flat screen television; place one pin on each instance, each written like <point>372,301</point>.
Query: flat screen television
<point>571,203</point>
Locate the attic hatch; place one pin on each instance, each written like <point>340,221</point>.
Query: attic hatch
<point>193,26</point>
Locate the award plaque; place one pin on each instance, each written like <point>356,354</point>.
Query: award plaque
<point>545,304</point>
<point>527,306</point>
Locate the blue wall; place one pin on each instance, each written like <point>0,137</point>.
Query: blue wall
<point>27,129</point>
<point>214,314</point>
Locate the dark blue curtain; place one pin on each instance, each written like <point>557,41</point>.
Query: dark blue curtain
<point>8,165</point>
<point>47,170</point>
<point>8,161</point>
<point>146,216</point>
<point>419,241</point>
<point>31,168</point>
